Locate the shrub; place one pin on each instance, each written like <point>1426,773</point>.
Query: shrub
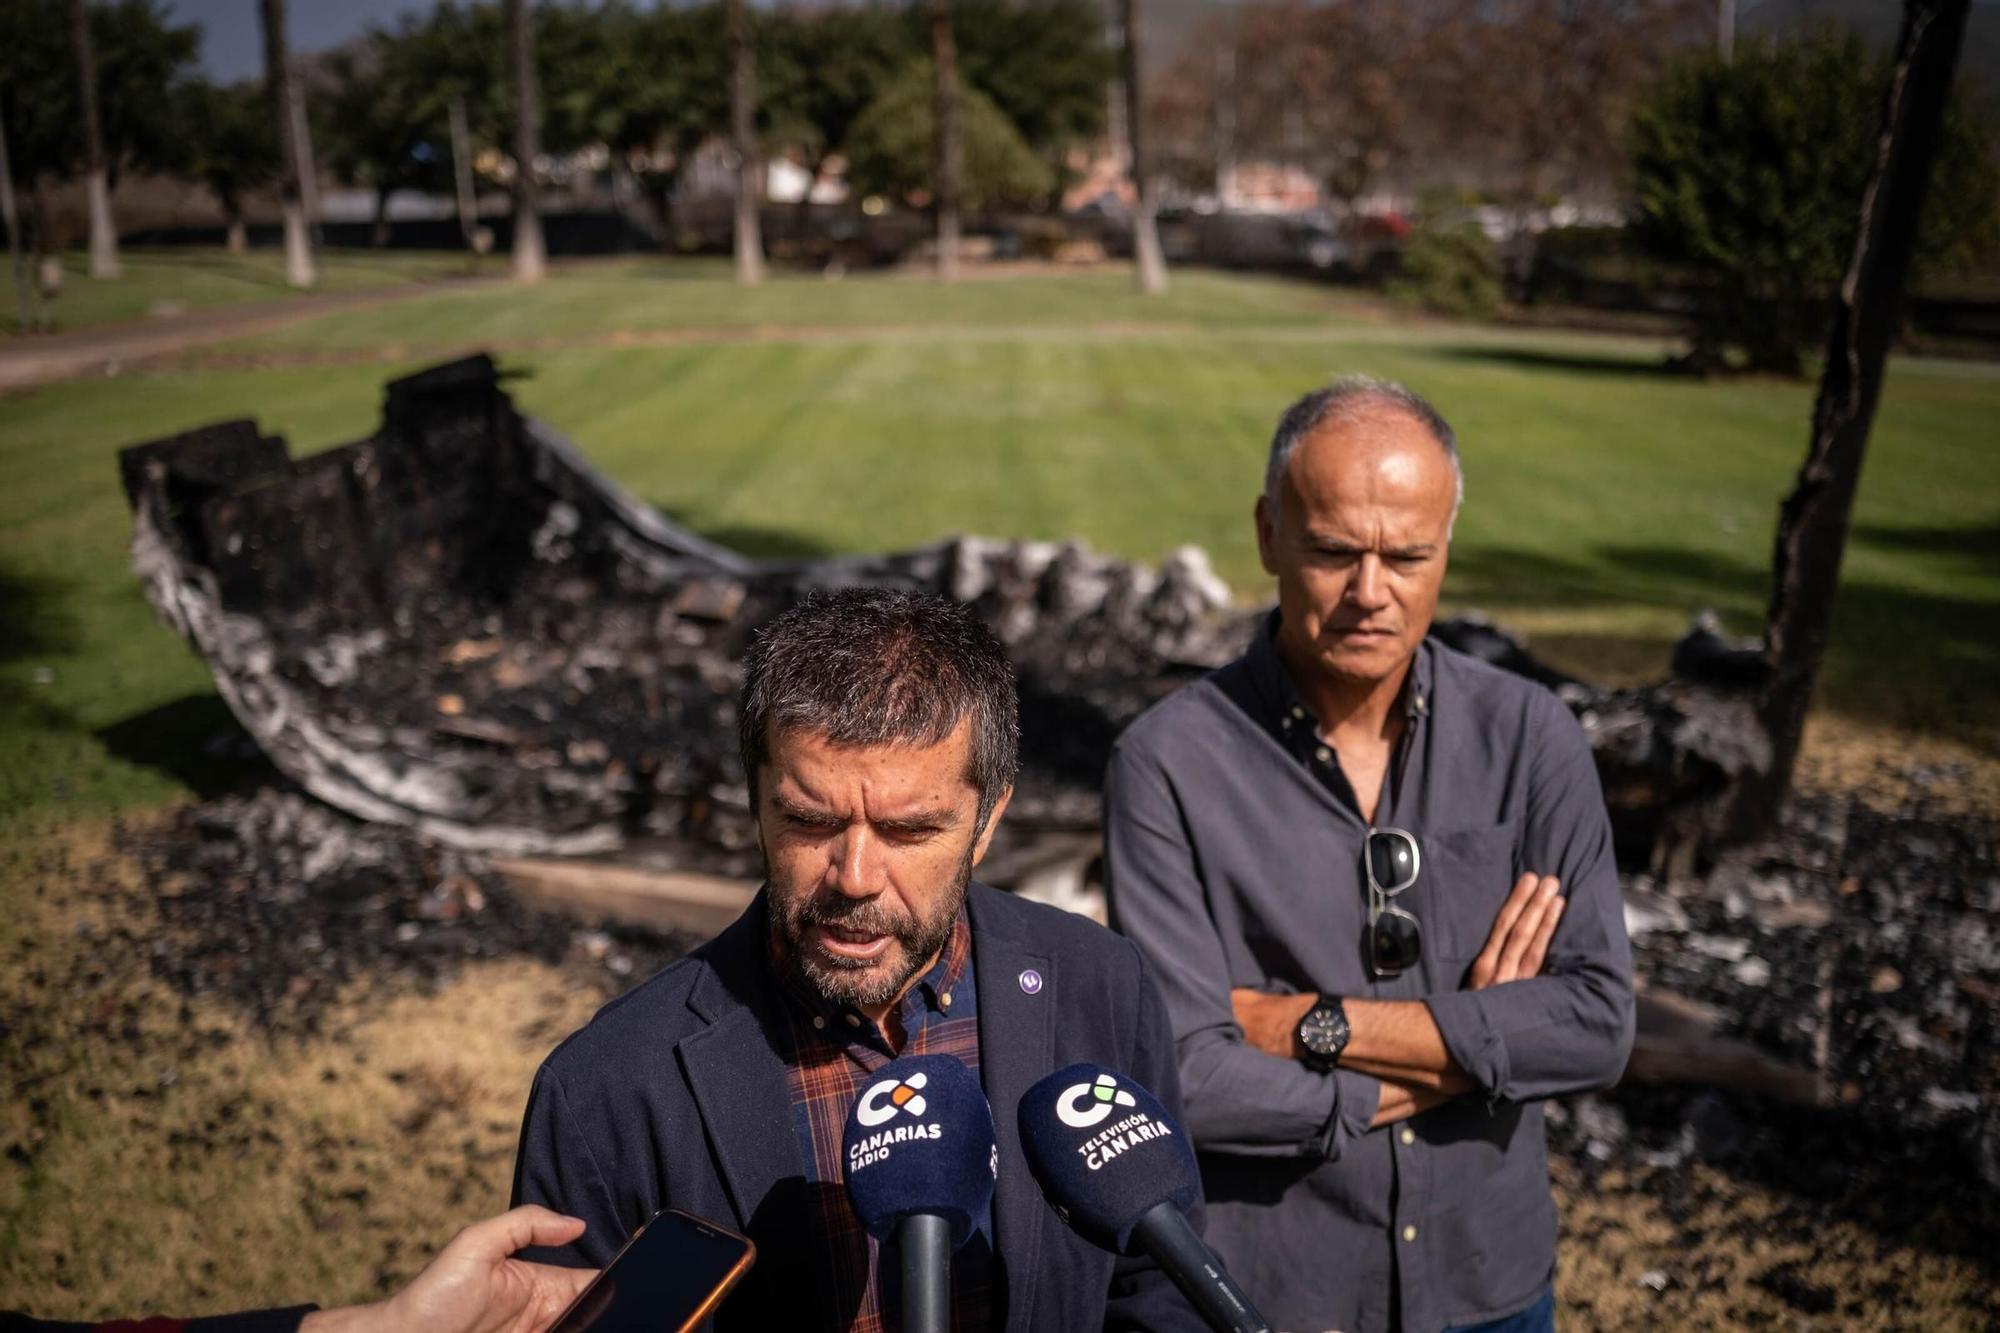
<point>1451,268</point>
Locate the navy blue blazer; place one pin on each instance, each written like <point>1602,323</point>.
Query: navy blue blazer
<point>672,1096</point>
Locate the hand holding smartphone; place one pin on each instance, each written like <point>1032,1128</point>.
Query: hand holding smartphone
<point>671,1275</point>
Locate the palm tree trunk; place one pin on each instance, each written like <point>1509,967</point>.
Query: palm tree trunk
<point>743,140</point>
<point>292,157</point>
<point>24,286</point>
<point>461,170</point>
<point>239,235</point>
<point>103,232</point>
<point>530,257</point>
<point>947,144</point>
<point>1149,262</point>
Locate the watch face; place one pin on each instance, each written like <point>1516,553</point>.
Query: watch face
<point>1323,1031</point>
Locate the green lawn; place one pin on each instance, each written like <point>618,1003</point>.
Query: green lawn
<point>1605,500</point>
<point>162,283</point>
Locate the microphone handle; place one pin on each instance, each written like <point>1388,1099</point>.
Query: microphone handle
<point>925,1241</point>
<point>1164,1232</point>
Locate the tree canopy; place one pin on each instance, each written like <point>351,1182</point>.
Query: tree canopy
<point>1749,173</point>
<point>889,149</point>
<point>144,60</point>
<point>232,145</point>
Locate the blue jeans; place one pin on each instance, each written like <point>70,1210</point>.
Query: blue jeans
<point>1537,1318</point>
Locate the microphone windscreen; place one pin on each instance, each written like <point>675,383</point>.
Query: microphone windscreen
<point>1105,1152</point>
<point>920,1140</point>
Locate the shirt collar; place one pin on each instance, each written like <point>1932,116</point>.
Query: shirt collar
<point>1281,698</point>
<point>932,993</point>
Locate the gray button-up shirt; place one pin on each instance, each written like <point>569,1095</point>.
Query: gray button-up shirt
<point>1233,855</point>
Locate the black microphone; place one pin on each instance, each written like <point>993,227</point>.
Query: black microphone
<point>921,1157</point>
<point>1123,1175</point>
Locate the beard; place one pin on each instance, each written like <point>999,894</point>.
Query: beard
<point>862,982</point>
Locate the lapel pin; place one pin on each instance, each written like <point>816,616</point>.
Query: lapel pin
<point>1031,982</point>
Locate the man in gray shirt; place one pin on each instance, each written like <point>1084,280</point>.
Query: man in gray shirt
<point>1374,878</point>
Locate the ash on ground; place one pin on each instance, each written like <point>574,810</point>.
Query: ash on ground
<point>1857,944</point>
<point>1861,945</point>
<point>273,903</point>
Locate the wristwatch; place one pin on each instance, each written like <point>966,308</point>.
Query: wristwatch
<point>1323,1034</point>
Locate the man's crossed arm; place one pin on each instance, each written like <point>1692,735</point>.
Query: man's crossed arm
<point>1397,1042</point>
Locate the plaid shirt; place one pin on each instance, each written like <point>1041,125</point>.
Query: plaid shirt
<point>830,1051</point>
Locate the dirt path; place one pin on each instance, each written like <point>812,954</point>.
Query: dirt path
<point>105,348</point>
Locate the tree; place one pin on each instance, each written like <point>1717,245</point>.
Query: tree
<point>386,102</point>
<point>28,316</point>
<point>1553,126</point>
<point>890,151</point>
<point>1812,524</point>
<point>1746,173</point>
<point>947,142</point>
<point>1045,65</point>
<point>1149,264</point>
<point>231,147</point>
<point>140,61</point>
<point>294,157</point>
<point>749,238</point>
<point>103,232</point>
<point>668,92</point>
<point>371,133</point>
<point>530,258</point>
<point>820,69</point>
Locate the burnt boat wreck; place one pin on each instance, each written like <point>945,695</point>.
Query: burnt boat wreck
<point>521,682</point>
<point>459,626</point>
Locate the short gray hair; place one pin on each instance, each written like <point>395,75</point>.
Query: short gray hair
<point>883,666</point>
<point>1348,399</point>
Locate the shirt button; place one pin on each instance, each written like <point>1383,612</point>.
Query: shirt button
<point>818,1022</point>
<point>945,999</point>
<point>1409,1233</point>
<point>1409,1136</point>
<point>1323,754</point>
<point>1298,712</point>
<point>853,1021</point>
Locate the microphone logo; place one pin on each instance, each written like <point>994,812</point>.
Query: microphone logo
<point>880,1103</point>
<point>1085,1104</point>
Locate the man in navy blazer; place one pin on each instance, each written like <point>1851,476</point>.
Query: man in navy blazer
<point>880,740</point>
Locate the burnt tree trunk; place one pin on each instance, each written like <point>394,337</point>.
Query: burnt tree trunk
<point>292,164</point>
<point>1812,524</point>
<point>530,256</point>
<point>749,242</point>
<point>947,145</point>
<point>103,232</point>
<point>1149,263</point>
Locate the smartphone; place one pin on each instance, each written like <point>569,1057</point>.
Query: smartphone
<point>669,1277</point>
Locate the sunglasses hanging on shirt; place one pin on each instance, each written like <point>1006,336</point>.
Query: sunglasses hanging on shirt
<point>1390,858</point>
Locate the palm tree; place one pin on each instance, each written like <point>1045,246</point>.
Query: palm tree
<point>743,139</point>
<point>24,288</point>
<point>103,233</point>
<point>530,256</point>
<point>294,154</point>
<point>1149,264</point>
<point>946,141</point>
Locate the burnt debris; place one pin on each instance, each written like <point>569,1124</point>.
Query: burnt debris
<point>458,626</point>
<point>471,645</point>
<point>273,903</point>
